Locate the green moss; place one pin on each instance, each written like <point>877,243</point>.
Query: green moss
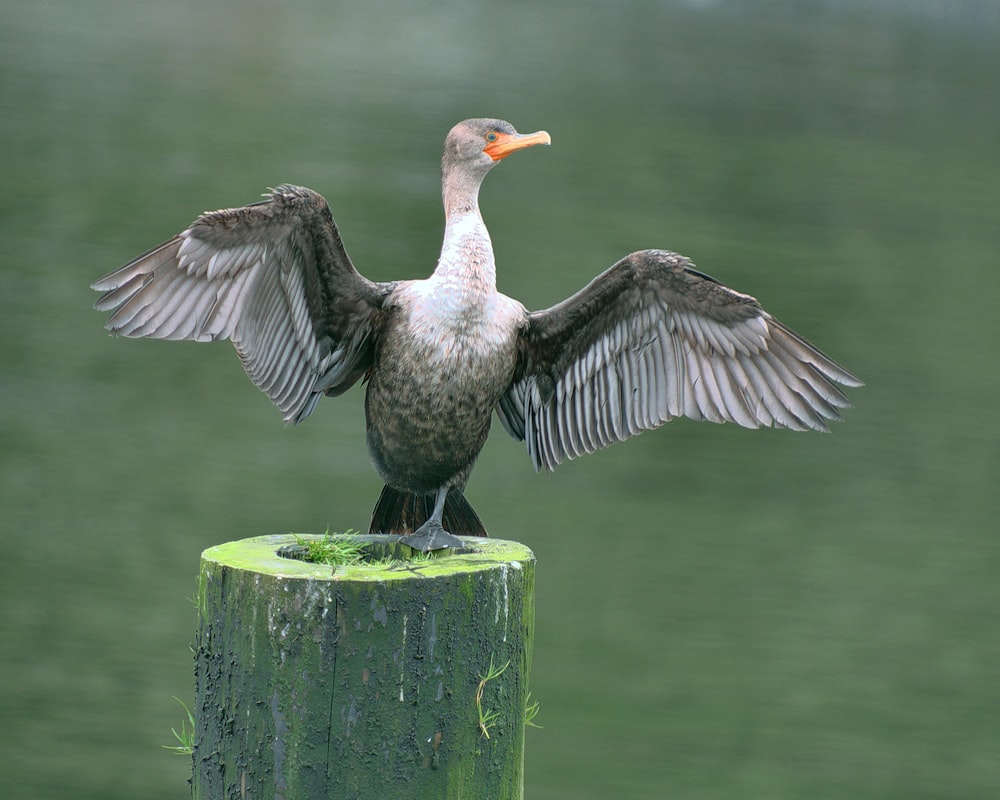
<point>466,587</point>
<point>199,592</point>
<point>260,555</point>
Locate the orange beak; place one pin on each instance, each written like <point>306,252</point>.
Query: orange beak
<point>507,143</point>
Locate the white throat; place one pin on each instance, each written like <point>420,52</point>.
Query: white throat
<point>466,264</point>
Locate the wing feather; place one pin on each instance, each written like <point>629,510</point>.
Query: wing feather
<point>275,279</point>
<point>652,339</point>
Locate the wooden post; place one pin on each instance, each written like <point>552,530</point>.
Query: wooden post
<point>364,681</point>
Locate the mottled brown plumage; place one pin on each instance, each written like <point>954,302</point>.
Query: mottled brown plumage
<point>649,339</point>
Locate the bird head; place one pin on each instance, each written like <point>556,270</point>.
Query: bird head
<point>479,144</point>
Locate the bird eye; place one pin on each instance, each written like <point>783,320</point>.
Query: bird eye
<point>491,136</point>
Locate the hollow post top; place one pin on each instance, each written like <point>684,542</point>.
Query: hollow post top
<point>384,559</point>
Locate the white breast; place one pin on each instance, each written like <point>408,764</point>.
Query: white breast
<point>451,318</point>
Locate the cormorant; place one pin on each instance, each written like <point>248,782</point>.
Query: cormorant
<point>649,339</point>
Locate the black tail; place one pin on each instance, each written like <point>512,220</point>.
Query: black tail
<point>399,512</point>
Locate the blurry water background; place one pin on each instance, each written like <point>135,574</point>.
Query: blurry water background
<point>720,613</point>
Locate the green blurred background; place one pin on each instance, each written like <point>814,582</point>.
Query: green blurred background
<point>720,613</point>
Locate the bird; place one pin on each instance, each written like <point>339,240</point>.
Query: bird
<point>648,340</point>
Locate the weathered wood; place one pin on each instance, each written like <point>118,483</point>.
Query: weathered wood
<point>361,682</point>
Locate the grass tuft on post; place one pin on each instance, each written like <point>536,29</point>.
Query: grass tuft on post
<point>371,679</point>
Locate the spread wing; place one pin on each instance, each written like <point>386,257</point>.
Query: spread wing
<point>275,279</point>
<point>652,339</point>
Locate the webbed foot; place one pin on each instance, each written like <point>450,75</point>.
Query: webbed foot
<point>431,536</point>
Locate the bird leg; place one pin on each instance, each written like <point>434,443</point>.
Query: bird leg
<point>432,535</point>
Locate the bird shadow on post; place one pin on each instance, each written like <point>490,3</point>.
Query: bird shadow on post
<point>392,677</point>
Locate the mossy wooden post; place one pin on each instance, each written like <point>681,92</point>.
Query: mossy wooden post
<point>361,682</point>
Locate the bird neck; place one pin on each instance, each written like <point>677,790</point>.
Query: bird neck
<point>466,260</point>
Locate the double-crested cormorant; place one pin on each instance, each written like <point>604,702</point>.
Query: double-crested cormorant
<point>648,340</point>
